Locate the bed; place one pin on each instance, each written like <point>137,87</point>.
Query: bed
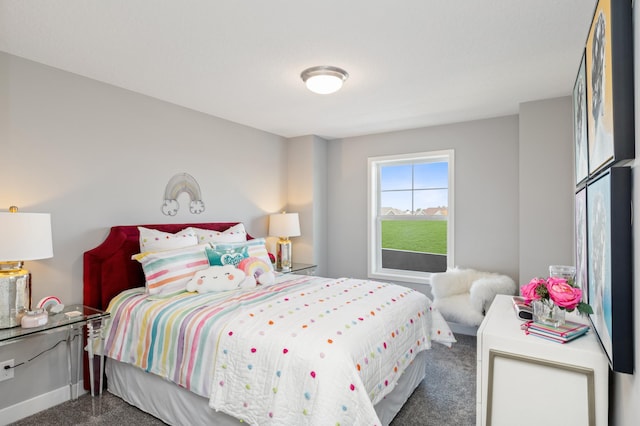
<point>302,350</point>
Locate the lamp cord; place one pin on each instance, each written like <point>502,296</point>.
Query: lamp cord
<point>8,367</point>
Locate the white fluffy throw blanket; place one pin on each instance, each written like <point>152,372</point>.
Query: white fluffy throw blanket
<point>464,295</point>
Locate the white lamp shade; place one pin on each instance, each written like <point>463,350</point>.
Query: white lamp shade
<point>25,236</point>
<point>284,225</point>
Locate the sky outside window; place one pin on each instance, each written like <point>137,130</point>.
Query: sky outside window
<point>410,187</point>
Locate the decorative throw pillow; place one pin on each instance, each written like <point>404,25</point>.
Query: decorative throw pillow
<point>255,248</point>
<point>259,269</point>
<point>226,256</point>
<point>153,240</point>
<point>235,234</point>
<point>167,272</point>
<point>220,278</point>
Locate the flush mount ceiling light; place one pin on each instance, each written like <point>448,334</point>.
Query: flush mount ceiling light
<point>324,79</point>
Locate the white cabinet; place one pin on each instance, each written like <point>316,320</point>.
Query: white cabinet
<point>526,380</point>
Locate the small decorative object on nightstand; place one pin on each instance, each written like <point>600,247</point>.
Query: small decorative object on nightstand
<point>284,225</point>
<point>34,318</point>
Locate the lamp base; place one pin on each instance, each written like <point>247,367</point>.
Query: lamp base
<point>15,295</point>
<point>283,254</point>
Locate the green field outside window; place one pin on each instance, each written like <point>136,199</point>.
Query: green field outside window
<point>424,236</point>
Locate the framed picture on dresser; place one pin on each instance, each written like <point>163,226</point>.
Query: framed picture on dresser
<point>609,270</point>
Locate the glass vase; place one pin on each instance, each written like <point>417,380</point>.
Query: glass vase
<point>548,313</point>
<point>563,271</point>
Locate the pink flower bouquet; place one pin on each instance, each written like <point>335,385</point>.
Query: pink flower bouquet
<point>558,291</point>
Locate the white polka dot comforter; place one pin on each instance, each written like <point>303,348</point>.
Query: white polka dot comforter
<point>307,350</point>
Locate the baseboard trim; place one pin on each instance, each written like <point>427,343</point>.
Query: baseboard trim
<point>39,403</point>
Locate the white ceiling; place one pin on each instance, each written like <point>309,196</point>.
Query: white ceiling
<point>412,63</point>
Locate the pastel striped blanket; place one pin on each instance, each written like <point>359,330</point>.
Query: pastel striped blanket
<point>308,350</point>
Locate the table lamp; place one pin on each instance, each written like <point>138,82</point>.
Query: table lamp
<point>284,225</point>
<point>23,236</point>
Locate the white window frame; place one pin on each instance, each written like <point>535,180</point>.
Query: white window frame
<point>374,240</point>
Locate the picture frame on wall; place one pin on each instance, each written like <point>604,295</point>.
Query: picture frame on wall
<point>580,123</point>
<point>609,272</point>
<point>581,242</point>
<point>609,75</point>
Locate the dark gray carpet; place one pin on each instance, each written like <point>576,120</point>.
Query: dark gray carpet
<point>447,396</point>
<point>106,409</point>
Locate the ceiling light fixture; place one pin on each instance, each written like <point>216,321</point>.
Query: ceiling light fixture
<point>324,79</point>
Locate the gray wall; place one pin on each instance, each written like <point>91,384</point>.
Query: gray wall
<point>546,188</point>
<point>95,156</point>
<point>486,192</point>
<point>307,195</point>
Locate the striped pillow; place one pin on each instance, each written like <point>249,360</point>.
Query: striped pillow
<point>167,272</point>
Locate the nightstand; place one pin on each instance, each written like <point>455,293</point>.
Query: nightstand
<point>92,318</point>
<point>300,269</point>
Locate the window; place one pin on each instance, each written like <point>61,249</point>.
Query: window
<point>410,215</point>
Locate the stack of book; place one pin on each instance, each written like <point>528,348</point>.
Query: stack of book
<point>565,333</point>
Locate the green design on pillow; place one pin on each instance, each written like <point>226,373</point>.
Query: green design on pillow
<point>227,256</point>
<point>255,248</point>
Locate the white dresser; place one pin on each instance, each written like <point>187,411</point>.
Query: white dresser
<point>525,380</point>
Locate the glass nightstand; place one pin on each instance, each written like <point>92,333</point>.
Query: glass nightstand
<point>300,269</point>
<point>72,323</point>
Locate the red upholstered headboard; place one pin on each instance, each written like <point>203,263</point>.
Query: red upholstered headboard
<point>108,268</point>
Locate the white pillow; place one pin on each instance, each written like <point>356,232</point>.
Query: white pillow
<point>235,234</point>
<point>153,240</point>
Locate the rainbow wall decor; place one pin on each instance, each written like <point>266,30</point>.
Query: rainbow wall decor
<point>182,182</point>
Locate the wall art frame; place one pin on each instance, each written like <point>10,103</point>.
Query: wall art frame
<point>580,135</point>
<point>609,247</point>
<point>609,76</point>
<point>581,242</point>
